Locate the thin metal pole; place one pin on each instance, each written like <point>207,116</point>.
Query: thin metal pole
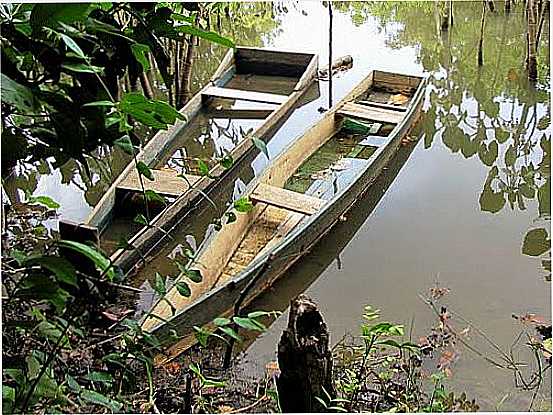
<point>329,54</point>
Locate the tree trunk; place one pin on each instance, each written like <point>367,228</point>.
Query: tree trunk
<point>185,93</point>
<point>444,16</point>
<point>491,5</point>
<point>544,11</point>
<point>481,41</point>
<point>146,87</point>
<point>305,360</point>
<point>507,6</point>
<point>532,63</point>
<point>330,54</point>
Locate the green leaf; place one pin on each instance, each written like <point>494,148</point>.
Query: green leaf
<point>194,275</point>
<point>73,384</point>
<point>62,269</point>
<point>536,242</point>
<point>183,289</point>
<point>229,331</point>
<point>203,167</point>
<point>101,377</point>
<point>547,345</point>
<point>71,44</point>
<point>145,171</point>
<point>51,14</point>
<point>8,399</point>
<point>159,285</point>
<point>125,144</point>
<point>141,219</point>
<point>243,205</point>
<point>222,321</point>
<point>201,335</point>
<point>99,260</point>
<point>211,36</point>
<point>153,196</point>
<point>248,323</point>
<point>82,68</point>
<point>527,190</point>
<point>544,198</point>
<point>488,153</point>
<point>260,144</point>
<point>510,156</point>
<point>99,399</point>
<point>45,201</point>
<point>152,113</point>
<point>226,162</point>
<point>255,314</point>
<point>231,217</point>
<point>140,54</point>
<point>100,104</point>
<point>17,95</point>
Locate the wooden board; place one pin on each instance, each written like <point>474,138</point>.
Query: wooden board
<point>271,62</point>
<point>244,95</point>
<point>286,199</point>
<point>244,114</point>
<point>166,182</point>
<point>374,114</point>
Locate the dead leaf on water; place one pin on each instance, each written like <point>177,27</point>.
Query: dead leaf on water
<point>512,75</point>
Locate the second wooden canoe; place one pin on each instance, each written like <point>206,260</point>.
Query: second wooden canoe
<point>298,198</point>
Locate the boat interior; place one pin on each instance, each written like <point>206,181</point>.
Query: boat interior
<point>298,183</point>
<point>240,100</point>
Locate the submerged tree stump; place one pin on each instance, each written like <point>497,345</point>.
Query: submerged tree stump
<point>305,359</point>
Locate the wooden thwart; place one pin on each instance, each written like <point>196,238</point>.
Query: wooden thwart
<point>286,199</point>
<point>374,114</point>
<point>252,96</point>
<point>166,182</point>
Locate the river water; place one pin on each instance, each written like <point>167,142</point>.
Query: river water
<point>464,210</point>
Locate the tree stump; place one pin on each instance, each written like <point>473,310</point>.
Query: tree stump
<point>305,359</point>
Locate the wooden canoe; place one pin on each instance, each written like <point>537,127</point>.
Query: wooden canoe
<point>252,87</point>
<point>297,199</point>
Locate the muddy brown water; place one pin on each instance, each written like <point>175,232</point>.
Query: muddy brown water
<point>451,211</point>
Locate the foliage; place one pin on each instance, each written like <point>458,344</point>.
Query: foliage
<point>379,371</point>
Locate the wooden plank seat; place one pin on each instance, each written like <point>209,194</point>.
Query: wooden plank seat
<point>166,182</point>
<point>286,199</point>
<point>383,105</point>
<point>374,114</point>
<point>252,96</point>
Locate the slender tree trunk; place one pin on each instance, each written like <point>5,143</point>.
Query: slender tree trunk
<point>491,5</point>
<point>445,17</point>
<point>146,87</point>
<point>532,62</point>
<point>544,11</point>
<point>329,54</point>
<point>187,72</point>
<point>177,65</point>
<point>507,6</point>
<point>450,13</point>
<point>481,41</point>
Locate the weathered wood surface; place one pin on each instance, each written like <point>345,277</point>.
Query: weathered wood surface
<point>305,360</point>
<point>271,62</point>
<point>286,199</point>
<point>166,182</point>
<point>148,238</point>
<point>242,113</point>
<point>373,114</point>
<point>243,95</point>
